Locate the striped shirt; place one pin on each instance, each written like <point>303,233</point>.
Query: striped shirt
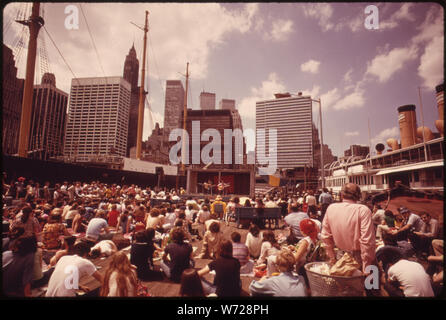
<point>240,252</point>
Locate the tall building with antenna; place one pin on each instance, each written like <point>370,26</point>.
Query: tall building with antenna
<point>131,72</point>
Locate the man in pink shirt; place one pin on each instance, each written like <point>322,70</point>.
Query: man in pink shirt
<point>349,227</point>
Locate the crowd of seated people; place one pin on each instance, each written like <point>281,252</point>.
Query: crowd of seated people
<point>47,229</point>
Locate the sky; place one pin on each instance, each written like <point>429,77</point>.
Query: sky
<point>250,51</point>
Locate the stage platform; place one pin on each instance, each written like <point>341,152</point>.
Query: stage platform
<point>239,181</point>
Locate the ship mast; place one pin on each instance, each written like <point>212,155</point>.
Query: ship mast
<point>142,94</point>
<point>34,23</point>
<point>183,147</point>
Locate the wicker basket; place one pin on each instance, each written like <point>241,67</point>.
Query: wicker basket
<point>334,286</point>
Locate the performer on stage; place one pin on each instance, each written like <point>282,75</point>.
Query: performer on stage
<point>222,187</point>
<point>207,187</point>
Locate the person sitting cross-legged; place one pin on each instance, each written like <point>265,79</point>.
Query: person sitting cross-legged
<point>180,256</point>
<point>227,272</point>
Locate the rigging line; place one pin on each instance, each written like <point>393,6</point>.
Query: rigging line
<point>92,40</point>
<point>148,84</point>
<point>63,58</point>
<point>20,45</point>
<point>156,67</point>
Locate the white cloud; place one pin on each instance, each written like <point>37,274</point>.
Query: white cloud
<point>313,93</point>
<point>311,66</point>
<point>353,100</point>
<point>322,12</point>
<point>431,27</point>
<point>383,66</point>
<point>356,22</point>
<point>170,45</point>
<point>348,76</point>
<point>431,66</point>
<point>351,133</point>
<point>386,134</point>
<point>329,98</point>
<point>431,36</point>
<point>267,89</point>
<point>280,30</point>
<point>209,24</point>
<point>402,14</point>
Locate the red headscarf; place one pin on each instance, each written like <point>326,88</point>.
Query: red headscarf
<point>310,228</point>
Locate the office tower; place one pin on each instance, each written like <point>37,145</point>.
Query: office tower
<point>328,154</point>
<point>48,119</point>
<point>357,150</point>
<point>12,95</point>
<point>291,116</point>
<point>131,71</point>
<point>207,101</point>
<point>218,120</point>
<point>227,104</point>
<point>98,118</point>
<point>174,105</point>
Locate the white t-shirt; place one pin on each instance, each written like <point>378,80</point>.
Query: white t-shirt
<point>311,200</point>
<point>266,250</point>
<point>378,216</point>
<point>412,277</point>
<point>254,244</point>
<point>170,218</point>
<point>65,211</point>
<point>190,214</point>
<point>310,242</point>
<point>66,276</point>
<point>105,246</point>
<point>95,226</point>
<point>203,216</point>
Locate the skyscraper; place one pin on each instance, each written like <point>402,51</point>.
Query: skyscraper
<point>173,107</point>
<point>207,101</point>
<point>227,104</point>
<point>291,116</point>
<point>131,71</point>
<point>48,119</point>
<point>12,94</point>
<point>357,150</point>
<point>219,120</point>
<point>98,118</point>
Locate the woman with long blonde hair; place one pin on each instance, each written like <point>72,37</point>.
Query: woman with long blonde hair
<point>120,278</point>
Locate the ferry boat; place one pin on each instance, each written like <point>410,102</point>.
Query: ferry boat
<point>416,163</point>
<point>383,172</point>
